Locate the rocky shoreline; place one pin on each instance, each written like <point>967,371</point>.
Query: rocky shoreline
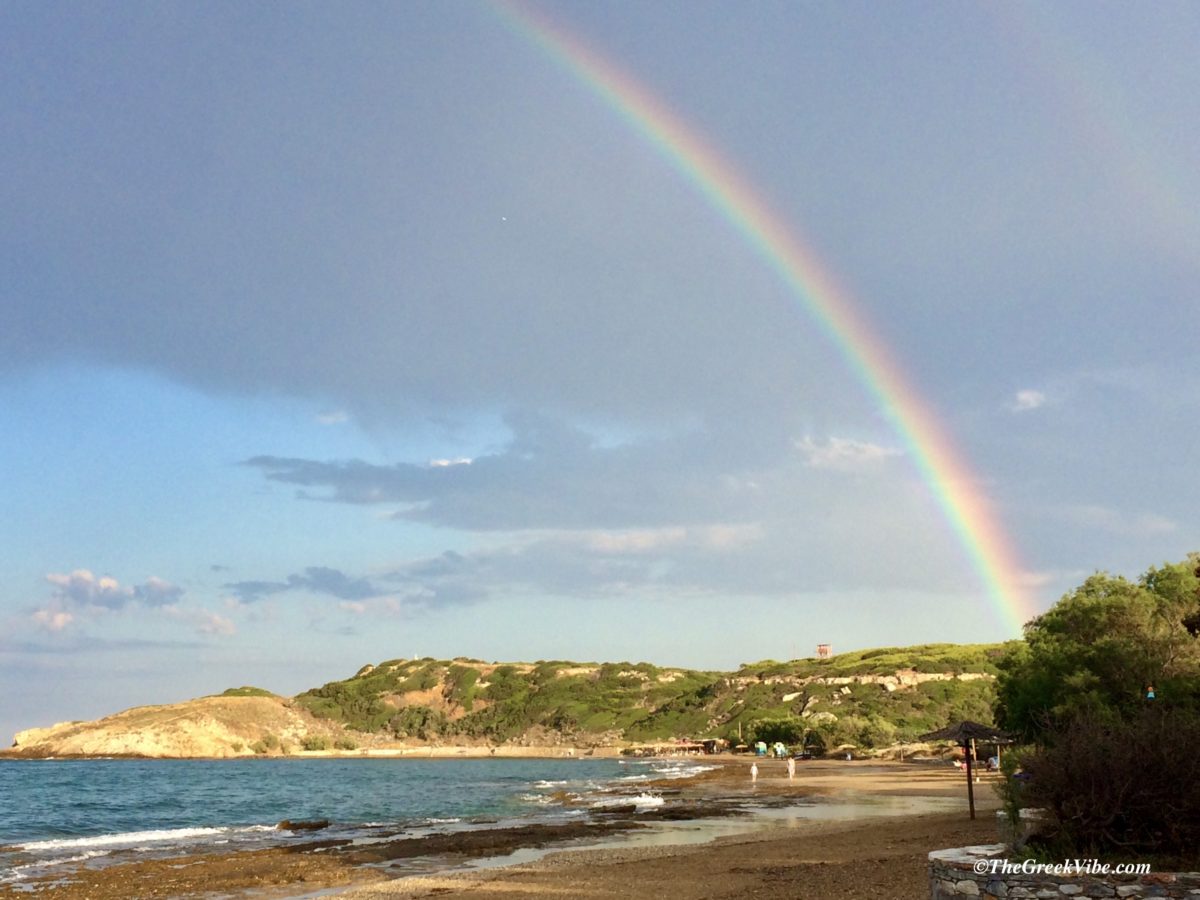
<point>400,862</point>
<point>333,862</point>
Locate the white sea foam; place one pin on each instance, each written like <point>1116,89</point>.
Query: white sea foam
<point>67,860</point>
<point>678,769</point>
<point>126,839</point>
<point>34,869</point>
<point>641,801</point>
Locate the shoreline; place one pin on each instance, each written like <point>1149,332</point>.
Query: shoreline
<point>423,751</point>
<point>717,809</point>
<point>863,853</point>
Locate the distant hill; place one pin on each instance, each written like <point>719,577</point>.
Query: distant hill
<point>868,699</point>
<point>233,725</point>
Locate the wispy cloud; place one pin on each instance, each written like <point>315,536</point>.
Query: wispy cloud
<point>563,512</point>
<point>202,620</point>
<point>843,453</point>
<point>314,579</point>
<point>79,644</point>
<point>1026,400</point>
<point>551,474</point>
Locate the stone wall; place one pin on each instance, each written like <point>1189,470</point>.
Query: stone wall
<point>980,872</point>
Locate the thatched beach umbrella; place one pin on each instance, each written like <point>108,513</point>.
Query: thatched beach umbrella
<point>965,734</point>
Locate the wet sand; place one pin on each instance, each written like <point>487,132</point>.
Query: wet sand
<point>878,852</point>
<point>864,832</point>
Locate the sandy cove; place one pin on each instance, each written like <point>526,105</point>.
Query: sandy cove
<point>863,856</point>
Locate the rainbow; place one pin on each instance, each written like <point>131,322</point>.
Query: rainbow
<point>956,489</point>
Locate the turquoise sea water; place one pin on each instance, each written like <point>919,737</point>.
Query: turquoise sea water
<point>71,812</point>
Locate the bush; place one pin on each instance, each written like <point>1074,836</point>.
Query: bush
<point>420,722</point>
<point>1121,788</point>
<point>268,743</point>
<point>248,691</point>
<point>314,742</point>
<point>345,744</point>
<point>789,730</point>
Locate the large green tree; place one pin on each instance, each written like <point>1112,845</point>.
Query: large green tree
<point>1098,649</point>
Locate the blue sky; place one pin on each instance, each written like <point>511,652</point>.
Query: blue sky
<point>331,334</point>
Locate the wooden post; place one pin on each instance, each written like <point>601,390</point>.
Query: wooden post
<point>970,779</point>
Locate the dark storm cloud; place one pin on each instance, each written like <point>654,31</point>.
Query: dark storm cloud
<point>317,267</point>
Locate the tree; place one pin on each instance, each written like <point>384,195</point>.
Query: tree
<point>788,730</point>
<point>1095,653</point>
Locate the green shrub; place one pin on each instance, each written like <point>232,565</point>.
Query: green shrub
<point>1122,789</point>
<point>629,699</point>
<point>268,743</point>
<point>420,722</point>
<point>788,730</point>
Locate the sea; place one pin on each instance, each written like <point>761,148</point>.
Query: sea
<point>56,815</point>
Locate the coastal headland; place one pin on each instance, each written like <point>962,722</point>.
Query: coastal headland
<point>840,829</point>
<point>865,699</point>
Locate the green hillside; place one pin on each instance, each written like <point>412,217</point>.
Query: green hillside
<point>867,698</point>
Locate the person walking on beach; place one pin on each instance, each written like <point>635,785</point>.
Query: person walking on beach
<point>754,772</point>
<point>791,768</point>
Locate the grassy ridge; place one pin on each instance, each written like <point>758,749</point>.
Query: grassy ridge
<point>892,694</point>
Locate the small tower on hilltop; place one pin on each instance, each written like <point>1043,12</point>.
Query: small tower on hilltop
<point>824,651</point>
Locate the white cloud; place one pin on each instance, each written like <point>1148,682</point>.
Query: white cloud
<point>53,620</point>
<point>636,540</point>
<point>333,417</point>
<point>1026,400</point>
<point>81,595</point>
<point>446,463</point>
<point>82,588</point>
<point>204,621</point>
<point>843,453</point>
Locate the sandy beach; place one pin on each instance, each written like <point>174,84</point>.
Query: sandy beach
<point>863,830</point>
